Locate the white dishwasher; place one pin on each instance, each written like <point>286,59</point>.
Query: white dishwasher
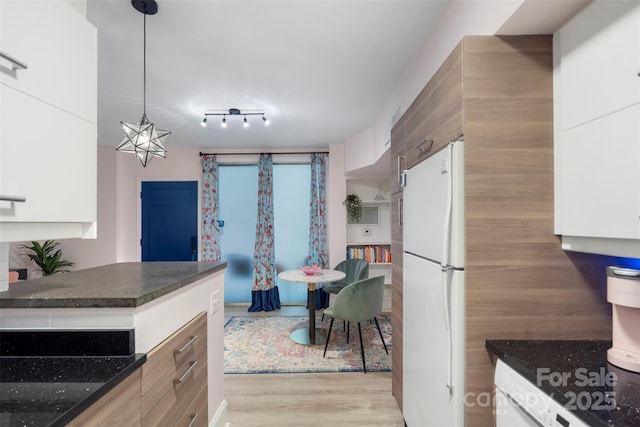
<point>519,403</point>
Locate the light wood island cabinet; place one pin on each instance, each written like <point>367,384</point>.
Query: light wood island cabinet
<point>174,376</point>
<point>177,320</point>
<point>120,407</point>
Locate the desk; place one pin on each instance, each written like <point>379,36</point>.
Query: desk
<point>310,335</point>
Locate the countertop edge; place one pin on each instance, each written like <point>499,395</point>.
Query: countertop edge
<point>23,302</point>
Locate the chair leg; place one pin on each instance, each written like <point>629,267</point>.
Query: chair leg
<point>380,332</point>
<point>328,336</point>
<point>347,327</point>
<point>364,365</point>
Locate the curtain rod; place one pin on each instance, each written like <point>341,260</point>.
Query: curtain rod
<point>253,154</point>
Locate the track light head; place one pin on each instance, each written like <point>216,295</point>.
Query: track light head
<point>224,122</point>
<point>203,123</point>
<point>246,123</point>
<point>266,121</point>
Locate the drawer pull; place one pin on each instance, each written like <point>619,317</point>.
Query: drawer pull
<point>187,345</point>
<point>400,159</point>
<point>13,198</point>
<point>15,64</point>
<point>187,372</point>
<point>423,142</point>
<point>193,420</point>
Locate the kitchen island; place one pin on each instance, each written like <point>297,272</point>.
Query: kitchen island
<point>144,312</point>
<point>576,374</point>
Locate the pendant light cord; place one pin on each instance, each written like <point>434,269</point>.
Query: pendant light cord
<point>144,65</point>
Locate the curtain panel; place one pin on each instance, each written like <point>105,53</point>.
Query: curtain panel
<point>264,292</point>
<point>318,248</point>
<point>210,238</point>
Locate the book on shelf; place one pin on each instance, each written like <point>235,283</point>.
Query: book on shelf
<point>371,254</point>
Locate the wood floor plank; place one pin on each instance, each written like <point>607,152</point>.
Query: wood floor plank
<point>348,399</point>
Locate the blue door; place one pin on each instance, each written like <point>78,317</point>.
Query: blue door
<point>169,221</point>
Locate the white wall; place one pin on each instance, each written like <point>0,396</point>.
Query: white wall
<point>119,180</point>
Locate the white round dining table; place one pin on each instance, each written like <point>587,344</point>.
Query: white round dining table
<point>311,335</point>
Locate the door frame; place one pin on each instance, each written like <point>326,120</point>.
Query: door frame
<point>139,182</point>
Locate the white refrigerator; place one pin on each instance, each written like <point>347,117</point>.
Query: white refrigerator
<point>433,290</point>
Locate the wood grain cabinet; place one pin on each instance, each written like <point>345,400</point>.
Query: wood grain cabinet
<point>174,378</point>
<point>48,92</point>
<point>120,407</point>
<point>497,92</point>
<point>398,164</point>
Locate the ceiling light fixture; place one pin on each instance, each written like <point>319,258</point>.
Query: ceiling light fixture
<point>144,139</point>
<point>236,112</point>
<point>204,123</point>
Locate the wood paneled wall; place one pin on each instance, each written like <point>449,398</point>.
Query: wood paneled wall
<point>520,284</point>
<point>397,165</point>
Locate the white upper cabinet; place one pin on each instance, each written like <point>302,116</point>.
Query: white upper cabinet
<point>597,129</point>
<point>600,50</point>
<point>600,177</point>
<point>48,115</point>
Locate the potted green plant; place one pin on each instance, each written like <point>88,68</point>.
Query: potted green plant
<point>47,257</point>
<point>354,207</point>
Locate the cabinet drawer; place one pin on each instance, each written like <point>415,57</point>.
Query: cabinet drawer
<point>196,414</point>
<point>175,372</point>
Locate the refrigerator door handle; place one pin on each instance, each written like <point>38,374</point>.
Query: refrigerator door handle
<point>446,279</point>
<point>446,268</point>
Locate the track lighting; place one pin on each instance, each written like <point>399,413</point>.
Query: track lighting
<point>235,112</point>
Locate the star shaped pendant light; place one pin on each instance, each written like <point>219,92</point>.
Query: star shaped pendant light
<point>143,139</point>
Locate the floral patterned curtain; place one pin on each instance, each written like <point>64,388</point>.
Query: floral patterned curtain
<point>318,248</point>
<point>264,293</point>
<point>210,238</point>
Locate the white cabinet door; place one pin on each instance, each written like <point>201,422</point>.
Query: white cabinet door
<point>600,178</point>
<point>59,47</point>
<point>600,61</point>
<point>48,133</point>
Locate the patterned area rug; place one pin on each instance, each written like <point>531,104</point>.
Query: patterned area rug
<point>261,345</point>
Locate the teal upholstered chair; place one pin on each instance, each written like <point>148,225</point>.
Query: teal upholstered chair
<point>358,302</point>
<point>354,269</point>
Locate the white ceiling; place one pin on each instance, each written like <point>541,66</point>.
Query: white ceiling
<point>321,70</point>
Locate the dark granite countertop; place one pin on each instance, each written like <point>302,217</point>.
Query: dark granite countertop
<point>129,284</point>
<point>51,391</point>
<point>588,377</point>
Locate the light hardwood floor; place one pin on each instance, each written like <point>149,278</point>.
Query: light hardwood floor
<point>325,399</point>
